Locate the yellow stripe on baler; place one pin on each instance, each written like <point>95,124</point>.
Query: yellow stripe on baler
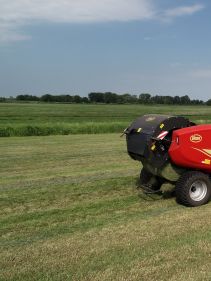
<point>206,152</point>
<point>206,161</point>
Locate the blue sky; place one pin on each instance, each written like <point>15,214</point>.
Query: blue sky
<point>78,46</point>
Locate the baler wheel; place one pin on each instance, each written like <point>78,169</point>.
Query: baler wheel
<point>149,182</point>
<point>193,189</point>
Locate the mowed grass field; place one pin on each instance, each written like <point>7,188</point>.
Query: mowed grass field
<point>63,119</point>
<point>70,210</point>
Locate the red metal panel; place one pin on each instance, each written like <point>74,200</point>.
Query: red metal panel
<point>191,147</point>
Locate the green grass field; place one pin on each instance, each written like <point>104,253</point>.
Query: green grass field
<point>63,119</point>
<point>70,210</point>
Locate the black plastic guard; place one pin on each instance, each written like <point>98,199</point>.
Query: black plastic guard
<point>142,135</point>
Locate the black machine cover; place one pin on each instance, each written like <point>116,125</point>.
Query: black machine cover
<point>143,143</point>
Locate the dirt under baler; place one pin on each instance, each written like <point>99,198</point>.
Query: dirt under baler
<point>173,149</point>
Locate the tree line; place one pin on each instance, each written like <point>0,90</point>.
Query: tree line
<point>109,98</point>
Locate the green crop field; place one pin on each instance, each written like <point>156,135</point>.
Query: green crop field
<point>63,119</point>
<point>70,206</point>
<point>70,210</point>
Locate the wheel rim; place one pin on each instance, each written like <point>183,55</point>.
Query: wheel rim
<point>198,190</point>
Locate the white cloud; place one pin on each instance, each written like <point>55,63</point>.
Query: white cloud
<point>18,13</point>
<point>201,73</point>
<point>183,11</point>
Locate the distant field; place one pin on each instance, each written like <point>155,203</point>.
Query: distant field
<point>70,210</point>
<point>56,119</point>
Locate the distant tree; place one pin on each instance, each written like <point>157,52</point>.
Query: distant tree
<point>2,99</point>
<point>47,98</point>
<point>127,98</point>
<point>168,100</point>
<point>197,102</point>
<point>20,97</point>
<point>144,98</point>
<point>157,99</point>
<point>110,97</point>
<point>176,100</point>
<point>67,98</point>
<point>120,99</point>
<point>208,102</point>
<point>77,99</point>
<point>84,100</point>
<point>185,99</point>
<point>27,98</point>
<point>133,99</point>
<point>96,97</point>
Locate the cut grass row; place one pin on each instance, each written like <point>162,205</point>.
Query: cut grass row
<point>64,119</point>
<point>70,210</point>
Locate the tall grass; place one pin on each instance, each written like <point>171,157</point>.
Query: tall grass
<point>64,119</point>
<point>63,129</point>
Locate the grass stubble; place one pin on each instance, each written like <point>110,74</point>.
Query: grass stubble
<point>70,210</point>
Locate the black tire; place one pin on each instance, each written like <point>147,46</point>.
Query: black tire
<point>148,181</point>
<point>193,189</point>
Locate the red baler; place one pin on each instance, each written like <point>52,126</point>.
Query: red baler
<point>173,149</point>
